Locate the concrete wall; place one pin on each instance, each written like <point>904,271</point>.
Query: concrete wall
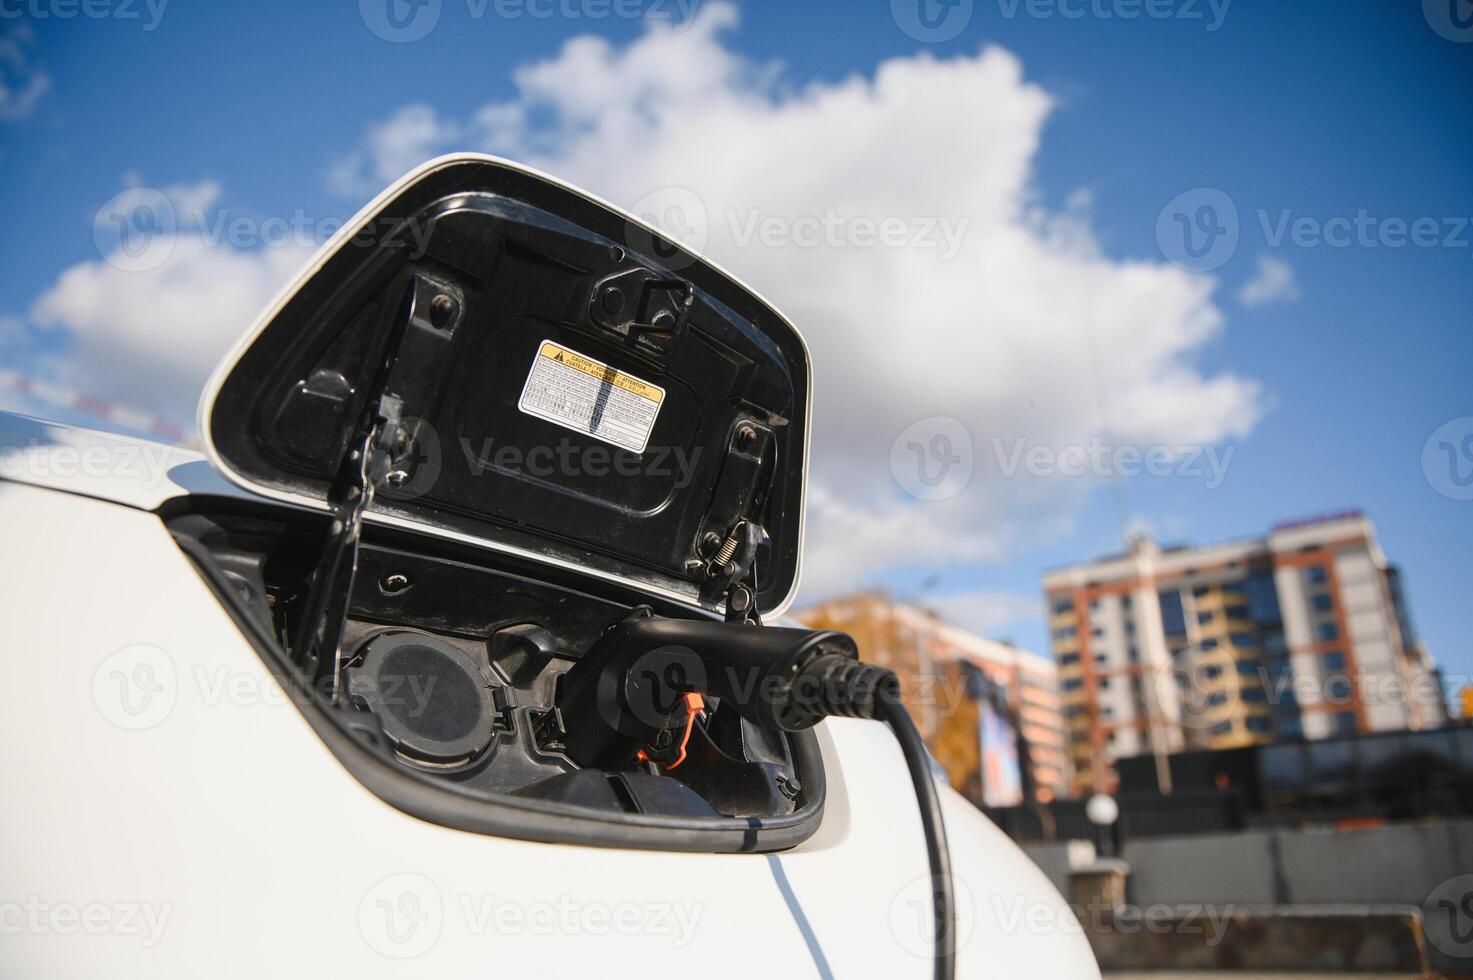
<point>1385,864</point>
<point>1412,864</point>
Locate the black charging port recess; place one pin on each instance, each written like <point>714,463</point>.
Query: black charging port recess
<point>452,664</point>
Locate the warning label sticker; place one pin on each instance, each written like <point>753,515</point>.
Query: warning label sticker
<point>588,396</point>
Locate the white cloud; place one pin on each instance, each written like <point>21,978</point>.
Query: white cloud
<point>406,139</point>
<point>1027,332</point>
<point>22,84</point>
<point>150,338</point>
<point>1273,282</point>
<point>986,612</point>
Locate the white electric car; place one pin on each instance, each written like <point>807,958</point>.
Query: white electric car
<point>445,659</point>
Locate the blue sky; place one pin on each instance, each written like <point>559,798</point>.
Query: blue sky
<point>1297,112</point>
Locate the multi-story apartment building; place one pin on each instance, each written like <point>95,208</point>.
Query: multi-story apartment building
<point>1303,633</point>
<point>954,681</point>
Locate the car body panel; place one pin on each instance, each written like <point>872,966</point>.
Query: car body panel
<point>159,768</point>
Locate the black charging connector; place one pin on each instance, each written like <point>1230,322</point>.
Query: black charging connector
<point>630,688</point>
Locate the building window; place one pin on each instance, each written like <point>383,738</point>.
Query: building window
<point>1065,659</point>
<point>1328,632</point>
<point>1275,643</point>
<point>1216,698</point>
<point>1065,633</point>
<point>1334,660</point>
<point>1248,668</point>
<point>1209,643</point>
<point>1263,600</point>
<point>1212,672</point>
<point>1254,695</point>
<point>1238,611</point>
<point>1073,683</point>
<point>1322,603</point>
<point>1205,617</point>
<point>1135,654</point>
<point>1259,724</point>
<point>1243,641</point>
<point>1200,591</point>
<point>1316,575</point>
<point>1173,620</point>
<point>1222,728</point>
<point>1345,723</point>
<point>1062,606</point>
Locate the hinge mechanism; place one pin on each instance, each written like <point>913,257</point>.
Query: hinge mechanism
<point>381,457</point>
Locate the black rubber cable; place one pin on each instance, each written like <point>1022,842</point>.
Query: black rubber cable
<point>943,893</point>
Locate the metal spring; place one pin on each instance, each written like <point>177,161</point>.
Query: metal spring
<point>728,547</point>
